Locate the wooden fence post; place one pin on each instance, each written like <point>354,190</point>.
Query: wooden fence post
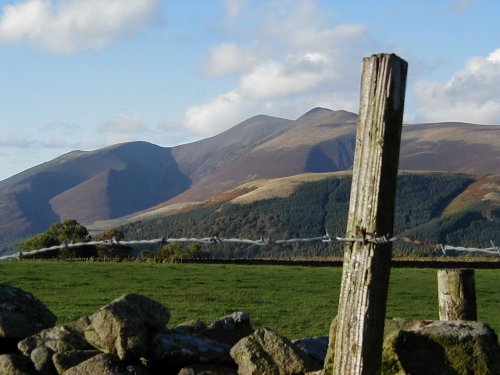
<point>365,279</point>
<point>457,294</point>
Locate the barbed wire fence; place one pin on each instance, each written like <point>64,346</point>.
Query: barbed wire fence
<point>361,236</point>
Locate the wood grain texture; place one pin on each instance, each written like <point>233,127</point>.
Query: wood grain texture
<point>363,295</point>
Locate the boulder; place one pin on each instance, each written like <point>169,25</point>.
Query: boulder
<point>314,347</point>
<point>65,360</point>
<point>266,352</point>
<point>433,347</point>
<point>13,364</point>
<point>108,364</point>
<point>442,347</point>
<point>22,314</point>
<point>179,348</point>
<point>207,370</point>
<point>230,329</point>
<point>126,325</point>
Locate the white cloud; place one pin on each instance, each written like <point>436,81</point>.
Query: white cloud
<point>290,58</point>
<point>470,95</point>
<point>228,58</point>
<point>69,26</point>
<point>216,115</point>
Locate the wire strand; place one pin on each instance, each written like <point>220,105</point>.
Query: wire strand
<point>265,241</point>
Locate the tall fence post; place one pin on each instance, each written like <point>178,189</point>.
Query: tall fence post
<point>365,279</point>
<point>457,294</point>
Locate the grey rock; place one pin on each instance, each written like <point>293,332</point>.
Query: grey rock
<point>42,360</point>
<point>180,348</point>
<point>207,370</point>
<point>79,325</point>
<point>65,360</point>
<point>195,326</point>
<point>41,346</point>
<point>126,325</point>
<point>442,347</point>
<point>12,364</point>
<point>314,347</point>
<point>22,314</point>
<point>230,329</point>
<point>433,347</point>
<point>108,364</point>
<point>57,339</point>
<point>266,352</point>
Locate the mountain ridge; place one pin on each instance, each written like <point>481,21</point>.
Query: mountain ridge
<point>123,179</point>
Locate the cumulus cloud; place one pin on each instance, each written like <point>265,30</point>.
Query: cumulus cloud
<point>289,60</point>
<point>69,26</point>
<point>470,95</point>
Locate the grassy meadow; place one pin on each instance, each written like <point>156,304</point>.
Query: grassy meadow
<point>296,301</point>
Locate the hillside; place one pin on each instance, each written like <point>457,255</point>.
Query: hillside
<point>303,206</point>
<point>125,179</point>
<point>106,183</point>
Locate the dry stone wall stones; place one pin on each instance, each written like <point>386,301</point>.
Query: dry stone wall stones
<point>13,364</point>
<point>41,346</point>
<point>57,339</point>
<point>126,325</point>
<point>230,329</point>
<point>179,348</point>
<point>266,352</point>
<point>314,347</point>
<point>22,314</point>
<point>108,364</point>
<point>442,347</point>
<point>65,360</point>
<point>207,370</point>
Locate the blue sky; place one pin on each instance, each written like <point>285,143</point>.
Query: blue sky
<point>84,74</point>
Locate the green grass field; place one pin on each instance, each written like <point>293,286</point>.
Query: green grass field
<point>296,301</point>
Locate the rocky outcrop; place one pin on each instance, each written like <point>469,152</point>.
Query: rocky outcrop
<point>130,336</point>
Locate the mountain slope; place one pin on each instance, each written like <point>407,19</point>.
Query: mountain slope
<point>89,186</point>
<point>124,179</point>
<point>303,206</point>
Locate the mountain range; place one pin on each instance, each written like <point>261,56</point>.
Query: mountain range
<point>133,177</point>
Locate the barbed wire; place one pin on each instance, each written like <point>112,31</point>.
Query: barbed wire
<point>362,236</point>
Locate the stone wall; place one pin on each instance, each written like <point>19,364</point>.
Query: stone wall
<point>130,335</point>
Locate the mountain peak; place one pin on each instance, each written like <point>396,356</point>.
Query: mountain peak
<point>339,116</point>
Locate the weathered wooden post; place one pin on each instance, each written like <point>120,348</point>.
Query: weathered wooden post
<point>363,294</point>
<point>457,294</point>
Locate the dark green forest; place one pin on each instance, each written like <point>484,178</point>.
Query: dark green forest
<point>315,206</point>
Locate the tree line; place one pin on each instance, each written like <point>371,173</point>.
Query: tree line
<point>311,210</point>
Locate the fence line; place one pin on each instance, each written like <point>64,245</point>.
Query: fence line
<point>266,241</point>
